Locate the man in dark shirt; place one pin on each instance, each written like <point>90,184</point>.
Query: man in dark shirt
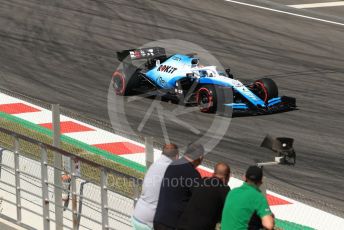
<point>176,188</point>
<point>204,209</point>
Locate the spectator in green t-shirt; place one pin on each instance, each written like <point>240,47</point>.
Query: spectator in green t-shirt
<point>246,202</point>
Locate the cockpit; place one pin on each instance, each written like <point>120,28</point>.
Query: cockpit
<point>208,71</point>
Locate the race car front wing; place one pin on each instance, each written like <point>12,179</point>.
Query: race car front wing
<point>274,105</point>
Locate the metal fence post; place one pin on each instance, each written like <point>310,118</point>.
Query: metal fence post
<point>45,187</point>
<point>74,195</point>
<point>82,186</point>
<point>264,186</point>
<point>149,151</point>
<point>1,151</point>
<point>17,178</point>
<point>57,168</point>
<point>136,191</point>
<point>104,199</point>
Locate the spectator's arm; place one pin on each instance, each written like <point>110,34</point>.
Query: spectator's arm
<point>268,222</point>
<point>265,214</point>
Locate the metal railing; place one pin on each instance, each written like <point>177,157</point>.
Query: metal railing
<point>98,190</point>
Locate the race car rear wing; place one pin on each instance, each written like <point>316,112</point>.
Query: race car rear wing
<point>142,53</point>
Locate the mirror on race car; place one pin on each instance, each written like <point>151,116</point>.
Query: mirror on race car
<point>229,74</point>
<point>195,61</point>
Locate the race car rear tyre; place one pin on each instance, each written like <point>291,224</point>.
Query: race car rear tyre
<point>266,89</point>
<point>206,98</point>
<point>119,83</point>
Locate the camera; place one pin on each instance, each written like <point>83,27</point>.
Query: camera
<point>283,149</point>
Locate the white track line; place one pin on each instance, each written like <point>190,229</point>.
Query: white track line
<point>316,5</point>
<point>286,12</point>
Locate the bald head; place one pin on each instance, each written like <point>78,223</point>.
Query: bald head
<point>171,151</point>
<point>222,171</point>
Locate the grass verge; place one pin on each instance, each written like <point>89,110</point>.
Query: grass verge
<point>116,182</point>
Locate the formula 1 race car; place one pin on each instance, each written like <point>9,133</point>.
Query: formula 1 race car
<point>181,79</point>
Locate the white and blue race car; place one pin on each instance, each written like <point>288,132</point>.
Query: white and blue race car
<point>181,79</point>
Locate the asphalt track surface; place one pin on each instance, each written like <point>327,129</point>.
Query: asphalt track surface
<point>63,52</point>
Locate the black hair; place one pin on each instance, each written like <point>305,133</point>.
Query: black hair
<point>194,151</point>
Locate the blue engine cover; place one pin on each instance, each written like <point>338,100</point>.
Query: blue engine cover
<point>170,71</point>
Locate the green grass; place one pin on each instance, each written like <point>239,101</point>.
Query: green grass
<point>286,225</point>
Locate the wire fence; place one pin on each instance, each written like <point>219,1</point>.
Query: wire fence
<point>93,196</point>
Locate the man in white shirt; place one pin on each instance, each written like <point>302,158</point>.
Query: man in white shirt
<point>146,205</point>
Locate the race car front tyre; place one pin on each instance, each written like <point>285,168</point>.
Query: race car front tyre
<point>206,99</point>
<point>266,89</point>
